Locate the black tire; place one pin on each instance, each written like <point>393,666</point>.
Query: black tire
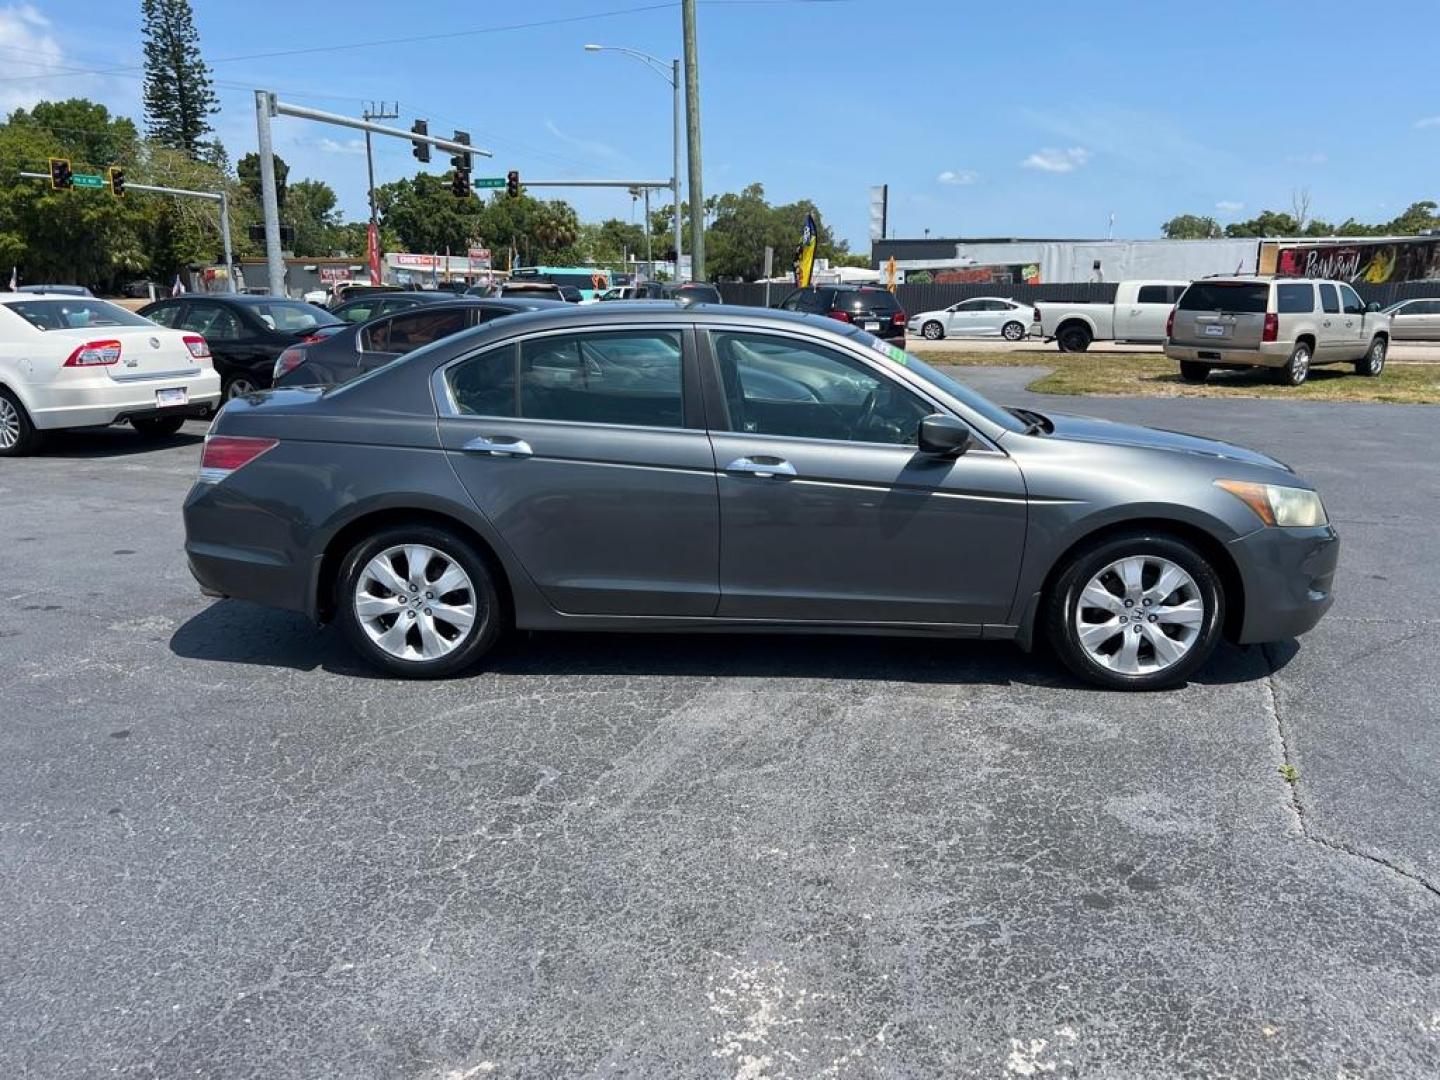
<point>18,435</point>
<point>1062,630</point>
<point>237,386</point>
<point>1073,338</point>
<point>1013,331</point>
<point>158,427</point>
<point>1297,368</point>
<point>1373,362</point>
<point>932,331</point>
<point>1193,371</point>
<point>476,641</point>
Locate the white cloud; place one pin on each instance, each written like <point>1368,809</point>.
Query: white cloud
<point>595,149</point>
<point>1229,207</point>
<point>1428,121</point>
<point>957,176</point>
<point>1057,161</point>
<point>349,146</point>
<point>24,32</point>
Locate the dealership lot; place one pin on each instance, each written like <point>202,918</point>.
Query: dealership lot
<point>228,849</point>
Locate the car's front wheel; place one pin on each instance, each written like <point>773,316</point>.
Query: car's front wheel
<point>932,331</point>
<point>17,433</point>
<point>1012,331</point>
<point>1136,611</point>
<point>1373,362</point>
<point>418,601</point>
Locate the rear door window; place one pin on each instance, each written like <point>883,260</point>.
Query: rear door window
<point>1294,299</point>
<point>1153,294</point>
<point>413,329</point>
<point>168,315</point>
<point>1234,297</point>
<point>629,377</point>
<point>212,322</point>
<point>1329,300</point>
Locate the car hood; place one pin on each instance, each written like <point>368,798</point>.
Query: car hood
<point>1111,433</point>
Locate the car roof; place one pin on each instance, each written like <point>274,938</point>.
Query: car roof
<point>392,294</point>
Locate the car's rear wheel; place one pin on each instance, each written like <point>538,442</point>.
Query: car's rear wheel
<point>418,601</point>
<point>1073,338</point>
<point>1297,368</point>
<point>1012,331</point>
<point>157,427</point>
<point>1373,362</point>
<point>1136,611</point>
<point>932,331</point>
<point>17,433</point>
<point>1193,371</point>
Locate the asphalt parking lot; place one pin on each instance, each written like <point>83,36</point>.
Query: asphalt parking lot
<point>226,850</point>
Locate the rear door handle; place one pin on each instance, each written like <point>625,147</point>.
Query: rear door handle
<point>764,467</point>
<point>499,447</point>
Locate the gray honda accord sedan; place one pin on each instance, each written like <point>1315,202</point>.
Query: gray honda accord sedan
<point>653,467</point>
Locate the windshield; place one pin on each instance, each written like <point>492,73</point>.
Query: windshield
<point>942,382</point>
<point>292,315</point>
<point>76,314</point>
<point>1237,297</point>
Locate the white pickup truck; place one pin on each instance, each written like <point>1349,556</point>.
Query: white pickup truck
<point>1137,315</point>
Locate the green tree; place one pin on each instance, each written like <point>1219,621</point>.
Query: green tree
<point>1417,218</point>
<point>311,211</point>
<point>423,215</point>
<point>744,224</point>
<point>248,169</point>
<point>1191,227</point>
<point>179,99</point>
<point>1266,223</point>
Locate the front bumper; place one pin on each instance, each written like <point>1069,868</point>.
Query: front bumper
<point>97,403</point>
<point>1288,576</point>
<point>1270,354</point>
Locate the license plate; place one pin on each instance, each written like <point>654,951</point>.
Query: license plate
<point>872,326</point>
<point>1214,330</point>
<point>177,396</point>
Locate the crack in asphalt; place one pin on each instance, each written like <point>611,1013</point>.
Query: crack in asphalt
<point>1297,805</point>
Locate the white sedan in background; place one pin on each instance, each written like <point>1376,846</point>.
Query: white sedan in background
<point>72,361</point>
<point>980,316</point>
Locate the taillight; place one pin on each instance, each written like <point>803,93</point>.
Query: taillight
<point>836,313</point>
<point>898,318</point>
<point>1035,315</point>
<point>224,454</point>
<point>1170,323</point>
<point>311,339</point>
<point>287,362</point>
<point>95,354</point>
<point>1272,328</point>
<point>199,348</point>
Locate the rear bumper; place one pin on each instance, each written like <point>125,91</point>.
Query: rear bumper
<point>1288,576</point>
<point>1271,354</point>
<point>93,403</point>
<point>236,549</point>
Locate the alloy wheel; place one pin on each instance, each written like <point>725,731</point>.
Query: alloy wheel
<point>1376,359</point>
<point>932,331</point>
<point>1139,615</point>
<point>1013,331</point>
<point>239,388</point>
<point>415,602</point>
<point>9,425</point>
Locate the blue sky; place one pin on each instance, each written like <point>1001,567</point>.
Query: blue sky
<point>1033,120</point>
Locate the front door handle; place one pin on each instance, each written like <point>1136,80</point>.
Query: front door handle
<point>764,467</point>
<point>499,447</point>
<point>1325,323</point>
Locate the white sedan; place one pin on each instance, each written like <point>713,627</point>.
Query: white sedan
<point>981,316</point>
<point>71,361</point>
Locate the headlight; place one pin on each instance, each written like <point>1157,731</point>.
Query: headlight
<point>1276,505</point>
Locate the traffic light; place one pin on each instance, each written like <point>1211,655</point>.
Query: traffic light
<point>117,181</point>
<point>421,149</point>
<point>460,185</point>
<point>512,183</point>
<point>60,176</point>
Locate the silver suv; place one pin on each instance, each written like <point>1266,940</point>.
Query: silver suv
<point>1287,324</point>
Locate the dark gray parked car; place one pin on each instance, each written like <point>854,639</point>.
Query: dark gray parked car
<point>654,467</point>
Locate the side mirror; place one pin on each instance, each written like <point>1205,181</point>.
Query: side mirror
<point>1372,306</point>
<point>943,436</point>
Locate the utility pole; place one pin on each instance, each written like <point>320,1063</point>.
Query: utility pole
<point>692,135</point>
<point>383,112</point>
<point>675,169</point>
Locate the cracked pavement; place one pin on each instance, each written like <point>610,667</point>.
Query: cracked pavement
<point>227,850</point>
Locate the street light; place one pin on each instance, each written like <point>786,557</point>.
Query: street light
<point>672,76</point>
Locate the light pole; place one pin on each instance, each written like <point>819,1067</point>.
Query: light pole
<point>672,76</point>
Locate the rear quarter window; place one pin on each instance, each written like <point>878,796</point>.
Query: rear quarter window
<point>1236,297</point>
<point>1153,294</point>
<point>1294,299</point>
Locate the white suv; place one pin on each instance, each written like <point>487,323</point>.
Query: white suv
<point>1286,324</point>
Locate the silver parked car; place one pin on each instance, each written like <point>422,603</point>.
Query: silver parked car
<point>1415,320</point>
<point>1285,324</point>
<point>980,316</point>
<point>658,468</point>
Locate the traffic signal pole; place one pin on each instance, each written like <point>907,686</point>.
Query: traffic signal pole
<point>267,106</point>
<point>210,196</point>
